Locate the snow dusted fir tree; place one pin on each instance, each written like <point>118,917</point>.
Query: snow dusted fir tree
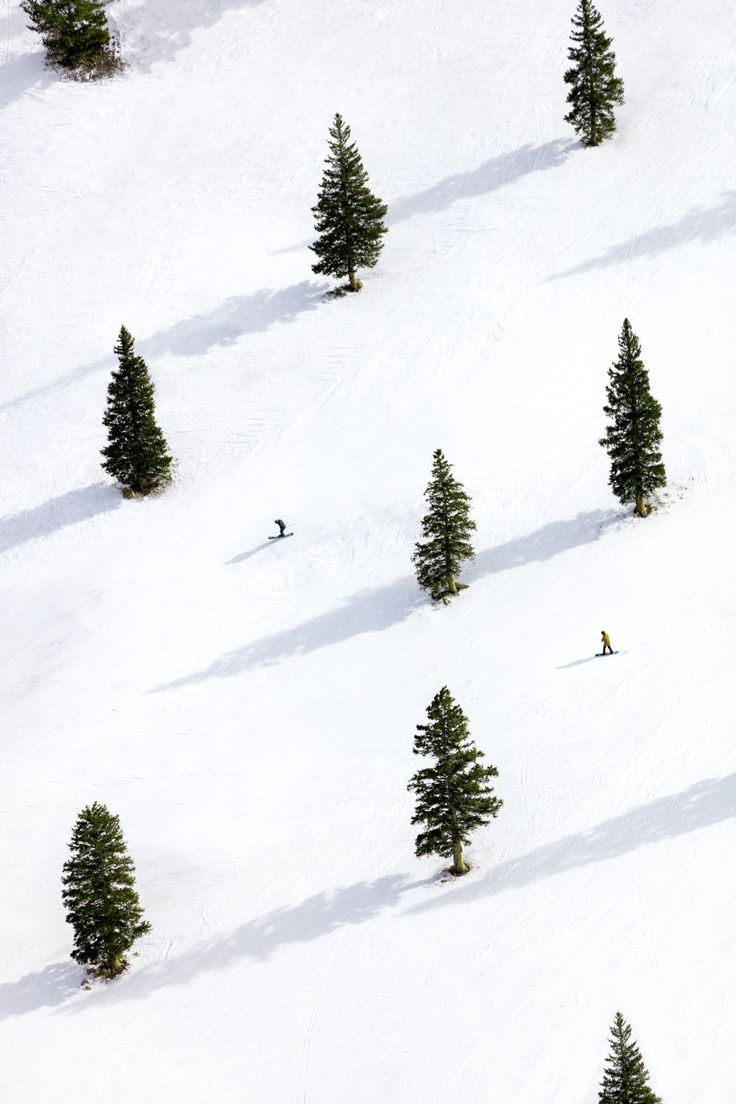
<point>454,796</point>
<point>633,436</point>
<point>625,1080</point>
<point>594,87</point>
<point>348,217</point>
<point>74,33</point>
<point>137,453</point>
<point>446,529</point>
<point>99,894</point>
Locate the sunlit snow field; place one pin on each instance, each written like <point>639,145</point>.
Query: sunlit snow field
<point>248,708</point>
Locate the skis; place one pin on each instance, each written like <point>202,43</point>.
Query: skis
<point>282,536</point>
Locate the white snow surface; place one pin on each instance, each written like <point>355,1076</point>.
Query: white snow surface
<point>248,708</point>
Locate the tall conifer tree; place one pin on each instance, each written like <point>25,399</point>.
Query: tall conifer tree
<point>454,796</point>
<point>633,436</point>
<point>626,1080</point>
<point>74,32</point>
<point>100,895</point>
<point>348,217</point>
<point>137,453</point>
<point>594,87</point>
<point>447,529</point>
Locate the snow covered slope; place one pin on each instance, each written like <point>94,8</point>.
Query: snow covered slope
<point>248,708</point>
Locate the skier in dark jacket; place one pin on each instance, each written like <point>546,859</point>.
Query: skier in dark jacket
<point>606,641</point>
<point>282,526</point>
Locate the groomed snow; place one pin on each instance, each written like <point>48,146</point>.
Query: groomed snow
<point>248,708</point>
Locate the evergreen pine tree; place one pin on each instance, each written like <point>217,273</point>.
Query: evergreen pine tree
<point>633,437</point>
<point>136,453</point>
<point>99,893</point>
<point>74,32</point>
<point>447,529</point>
<point>625,1080</point>
<point>348,217</point>
<point>453,796</point>
<point>594,87</point>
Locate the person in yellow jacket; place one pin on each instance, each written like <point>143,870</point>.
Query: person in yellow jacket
<point>606,640</point>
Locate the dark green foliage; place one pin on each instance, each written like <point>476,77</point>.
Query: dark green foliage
<point>447,529</point>
<point>99,893</point>
<point>594,87</point>
<point>453,796</point>
<point>347,216</point>
<point>626,1080</point>
<point>136,454</point>
<point>633,437</point>
<point>74,32</point>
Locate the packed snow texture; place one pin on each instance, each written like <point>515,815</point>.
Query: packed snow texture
<point>248,707</point>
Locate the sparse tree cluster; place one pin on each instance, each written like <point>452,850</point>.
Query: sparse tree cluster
<point>454,794</point>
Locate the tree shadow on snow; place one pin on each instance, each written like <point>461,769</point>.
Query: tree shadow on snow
<point>152,36</point>
<point>553,539</point>
<point>24,73</point>
<point>47,988</point>
<point>58,513</point>
<point>233,319</point>
<point>368,611</point>
<point>257,940</point>
<point>223,325</point>
<point>499,172</point>
<point>379,608</point>
<point>698,225</point>
<point>700,806</point>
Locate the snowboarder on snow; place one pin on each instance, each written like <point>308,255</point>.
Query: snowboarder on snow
<point>282,526</point>
<point>606,641</point>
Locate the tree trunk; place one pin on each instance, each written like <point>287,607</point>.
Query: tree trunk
<point>451,585</point>
<point>114,965</point>
<point>459,866</point>
<point>640,509</point>
<point>352,282</point>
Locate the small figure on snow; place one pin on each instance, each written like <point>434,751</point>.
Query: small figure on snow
<point>606,641</point>
<point>282,526</point>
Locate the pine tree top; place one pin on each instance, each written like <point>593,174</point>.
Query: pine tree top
<point>97,843</point>
<point>590,41</point>
<point>125,345</point>
<point>449,505</point>
<point>626,1078</point>
<point>628,392</point>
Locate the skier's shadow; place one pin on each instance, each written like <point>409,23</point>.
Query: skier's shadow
<point>242,556</point>
<point>575,663</point>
